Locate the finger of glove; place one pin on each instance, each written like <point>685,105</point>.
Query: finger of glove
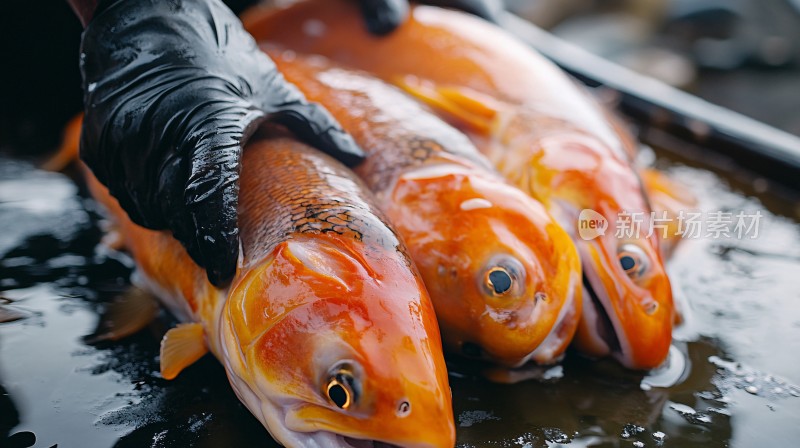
<point>171,185</point>
<point>211,197</point>
<point>315,126</point>
<point>198,184</point>
<point>490,10</point>
<point>383,16</point>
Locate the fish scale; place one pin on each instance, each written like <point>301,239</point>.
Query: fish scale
<point>304,197</point>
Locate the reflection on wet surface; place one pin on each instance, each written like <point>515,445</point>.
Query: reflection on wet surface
<point>739,348</point>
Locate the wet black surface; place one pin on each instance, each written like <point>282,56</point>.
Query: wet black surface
<point>739,343</point>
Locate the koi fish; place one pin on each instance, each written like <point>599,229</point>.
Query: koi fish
<point>327,333</point>
<point>541,132</point>
<point>503,276</point>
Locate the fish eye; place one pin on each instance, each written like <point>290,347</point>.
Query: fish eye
<point>339,394</point>
<point>341,388</point>
<point>503,274</point>
<point>499,280</point>
<point>633,260</point>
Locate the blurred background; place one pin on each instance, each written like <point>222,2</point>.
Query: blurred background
<point>741,54</point>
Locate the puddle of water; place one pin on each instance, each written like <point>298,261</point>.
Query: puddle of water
<point>739,348</point>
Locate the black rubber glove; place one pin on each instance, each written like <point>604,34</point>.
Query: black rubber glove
<point>172,90</point>
<point>383,16</point>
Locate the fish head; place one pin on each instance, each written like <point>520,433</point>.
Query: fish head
<point>627,300</point>
<point>331,343</point>
<point>628,307</point>
<point>503,275</point>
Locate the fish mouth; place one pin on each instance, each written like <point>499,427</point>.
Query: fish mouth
<point>361,443</point>
<point>603,324</point>
<point>327,439</point>
<point>616,322</point>
<point>273,415</point>
<point>311,432</point>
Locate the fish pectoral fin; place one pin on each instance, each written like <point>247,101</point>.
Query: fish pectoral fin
<point>473,109</point>
<point>181,347</point>
<point>126,315</point>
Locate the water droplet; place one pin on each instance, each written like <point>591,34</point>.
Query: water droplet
<point>631,430</point>
<point>702,418</point>
<point>682,408</point>
<point>554,372</point>
<point>314,28</point>
<point>289,55</point>
<point>720,411</point>
<point>475,204</point>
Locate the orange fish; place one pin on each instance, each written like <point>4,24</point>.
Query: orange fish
<point>326,333</point>
<point>540,130</point>
<point>503,276</point>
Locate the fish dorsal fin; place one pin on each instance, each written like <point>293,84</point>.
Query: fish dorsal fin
<point>668,196</point>
<point>473,109</point>
<point>665,192</point>
<point>181,347</point>
<point>126,315</point>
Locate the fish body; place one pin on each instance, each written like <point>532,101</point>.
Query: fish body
<point>541,131</point>
<point>326,333</point>
<point>503,276</point>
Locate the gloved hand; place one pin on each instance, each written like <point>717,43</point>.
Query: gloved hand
<point>172,91</point>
